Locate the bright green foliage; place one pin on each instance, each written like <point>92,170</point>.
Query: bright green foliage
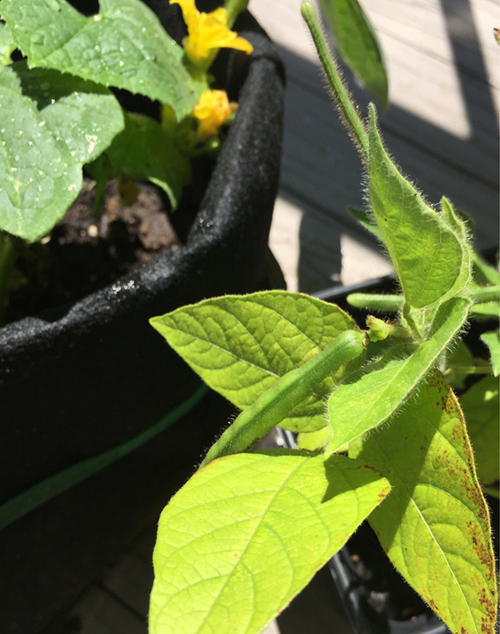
<point>144,150</point>
<point>372,395</point>
<point>123,46</point>
<point>458,364</point>
<point>49,129</point>
<point>487,310</point>
<point>7,46</point>
<point>434,525</point>
<point>286,395</point>
<point>492,340</point>
<point>481,411</point>
<point>247,532</point>
<point>241,345</point>
<point>366,221</point>
<point>358,44</point>
<point>411,228</point>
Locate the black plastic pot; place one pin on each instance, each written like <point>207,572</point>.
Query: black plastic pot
<point>80,380</point>
<point>349,599</point>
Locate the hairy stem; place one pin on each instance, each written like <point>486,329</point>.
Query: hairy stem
<point>344,101</point>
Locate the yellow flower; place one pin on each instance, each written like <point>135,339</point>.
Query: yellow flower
<point>207,31</point>
<point>212,110</point>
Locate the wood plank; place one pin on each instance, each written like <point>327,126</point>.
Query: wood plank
<point>428,128</point>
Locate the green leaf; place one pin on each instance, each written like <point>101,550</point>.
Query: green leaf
<point>434,525</point>
<point>412,231</point>
<point>365,220</point>
<point>372,395</point>
<point>458,364</point>
<point>492,340</point>
<point>480,405</point>
<point>144,151</point>
<point>123,46</point>
<point>248,532</point>
<point>484,273</point>
<point>358,44</point>
<point>49,126</point>
<point>7,46</point>
<point>241,345</point>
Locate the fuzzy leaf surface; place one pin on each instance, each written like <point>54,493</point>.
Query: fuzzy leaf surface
<point>358,44</point>
<point>49,126</point>
<point>372,395</point>
<point>435,526</point>
<point>248,532</point>
<point>412,231</point>
<point>124,46</point>
<point>481,411</point>
<point>241,345</point>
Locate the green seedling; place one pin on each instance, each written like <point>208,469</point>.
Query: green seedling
<point>381,434</point>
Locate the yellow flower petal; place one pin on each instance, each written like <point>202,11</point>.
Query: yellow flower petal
<point>207,31</point>
<point>212,110</point>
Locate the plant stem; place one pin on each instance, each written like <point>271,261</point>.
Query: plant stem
<point>233,9</point>
<point>7,259</point>
<point>485,294</point>
<point>343,99</point>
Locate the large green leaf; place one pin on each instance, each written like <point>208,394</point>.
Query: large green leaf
<point>123,46</point>
<point>434,525</point>
<point>241,345</point>
<point>371,396</point>
<point>480,407</point>
<point>358,44</point>
<point>248,532</point>
<point>50,124</point>
<point>428,251</point>
<point>144,151</point>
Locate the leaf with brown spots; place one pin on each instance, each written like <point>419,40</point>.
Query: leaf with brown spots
<point>434,525</point>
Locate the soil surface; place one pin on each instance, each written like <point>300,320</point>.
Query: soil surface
<point>87,251</point>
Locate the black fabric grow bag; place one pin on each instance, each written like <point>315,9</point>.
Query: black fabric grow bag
<point>79,380</point>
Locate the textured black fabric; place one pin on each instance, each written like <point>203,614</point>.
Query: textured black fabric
<point>79,380</point>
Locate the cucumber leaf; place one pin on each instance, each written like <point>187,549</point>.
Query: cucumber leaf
<point>358,44</point>
<point>481,411</point>
<point>413,231</point>
<point>50,124</point>
<point>434,526</point>
<point>241,345</point>
<point>248,532</point>
<point>144,151</point>
<point>124,46</point>
<point>388,382</point>
<point>7,46</point>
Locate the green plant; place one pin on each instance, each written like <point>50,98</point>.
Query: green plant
<point>381,434</point>
<point>58,114</point>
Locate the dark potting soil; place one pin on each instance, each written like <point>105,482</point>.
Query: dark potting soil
<point>87,251</point>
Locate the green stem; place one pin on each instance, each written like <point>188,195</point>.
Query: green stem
<point>290,390</point>
<point>7,259</point>
<point>484,294</point>
<point>374,301</point>
<point>344,101</point>
<point>233,9</point>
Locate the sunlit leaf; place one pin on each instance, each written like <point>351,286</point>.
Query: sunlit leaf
<point>241,345</point>
<point>248,532</point>
<point>434,525</point>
